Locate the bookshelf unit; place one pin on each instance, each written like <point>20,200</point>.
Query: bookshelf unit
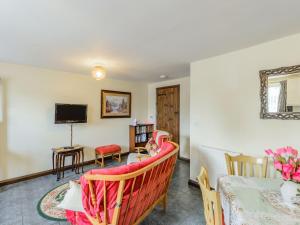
<point>139,135</point>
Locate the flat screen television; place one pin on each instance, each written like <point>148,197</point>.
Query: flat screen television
<point>70,113</point>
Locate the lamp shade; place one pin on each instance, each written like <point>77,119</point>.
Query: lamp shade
<point>99,73</point>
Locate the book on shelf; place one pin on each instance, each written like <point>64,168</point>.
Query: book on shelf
<point>143,129</point>
<point>139,135</point>
<point>141,138</point>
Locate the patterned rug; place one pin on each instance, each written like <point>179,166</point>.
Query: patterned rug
<point>47,206</point>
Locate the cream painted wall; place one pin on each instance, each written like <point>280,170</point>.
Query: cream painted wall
<point>184,110</point>
<point>28,132</point>
<point>225,105</point>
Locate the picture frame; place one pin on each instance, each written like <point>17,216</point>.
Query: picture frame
<point>115,104</point>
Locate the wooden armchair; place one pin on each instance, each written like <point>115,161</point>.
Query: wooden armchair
<point>158,137</point>
<point>243,165</point>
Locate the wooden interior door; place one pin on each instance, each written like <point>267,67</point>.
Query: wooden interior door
<point>168,110</point>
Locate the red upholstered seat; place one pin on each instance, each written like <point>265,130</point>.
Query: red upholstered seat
<point>108,149</point>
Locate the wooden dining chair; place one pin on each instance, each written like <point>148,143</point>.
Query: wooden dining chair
<point>211,200</point>
<point>243,165</point>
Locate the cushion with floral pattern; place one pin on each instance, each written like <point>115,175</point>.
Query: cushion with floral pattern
<point>152,147</point>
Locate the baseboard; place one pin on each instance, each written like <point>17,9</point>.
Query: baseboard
<point>184,159</point>
<point>36,175</point>
<point>193,183</point>
<point>43,173</point>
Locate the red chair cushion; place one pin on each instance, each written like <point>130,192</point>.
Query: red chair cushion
<point>108,149</point>
<point>76,218</point>
<point>161,138</point>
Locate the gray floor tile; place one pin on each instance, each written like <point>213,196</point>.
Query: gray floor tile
<point>11,221</point>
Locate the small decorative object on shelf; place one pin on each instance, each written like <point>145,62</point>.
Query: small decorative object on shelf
<point>287,162</point>
<point>139,135</point>
<point>134,122</point>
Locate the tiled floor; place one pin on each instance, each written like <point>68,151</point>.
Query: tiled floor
<point>18,202</point>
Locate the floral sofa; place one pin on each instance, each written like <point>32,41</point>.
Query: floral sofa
<point>126,194</point>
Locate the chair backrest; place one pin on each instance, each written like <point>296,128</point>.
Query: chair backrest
<point>211,200</point>
<point>243,165</point>
<point>125,195</point>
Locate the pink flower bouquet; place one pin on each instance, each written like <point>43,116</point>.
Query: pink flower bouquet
<point>286,161</point>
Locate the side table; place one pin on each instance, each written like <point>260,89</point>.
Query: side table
<point>58,159</point>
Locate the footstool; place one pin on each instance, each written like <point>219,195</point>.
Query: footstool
<point>106,150</point>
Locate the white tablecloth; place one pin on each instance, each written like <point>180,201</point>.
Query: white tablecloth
<point>255,201</point>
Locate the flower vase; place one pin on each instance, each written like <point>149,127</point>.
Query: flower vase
<point>290,192</point>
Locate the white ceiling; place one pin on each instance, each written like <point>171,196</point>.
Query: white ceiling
<point>137,39</point>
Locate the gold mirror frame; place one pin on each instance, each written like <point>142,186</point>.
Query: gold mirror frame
<point>264,74</point>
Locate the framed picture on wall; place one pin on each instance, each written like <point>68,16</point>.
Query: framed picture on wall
<point>115,104</point>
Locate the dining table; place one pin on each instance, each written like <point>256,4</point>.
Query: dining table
<point>255,201</point>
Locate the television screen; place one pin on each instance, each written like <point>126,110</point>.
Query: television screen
<point>70,113</point>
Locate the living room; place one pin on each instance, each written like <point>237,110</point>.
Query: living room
<point>191,76</point>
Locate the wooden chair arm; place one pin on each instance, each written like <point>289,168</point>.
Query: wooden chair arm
<point>140,149</point>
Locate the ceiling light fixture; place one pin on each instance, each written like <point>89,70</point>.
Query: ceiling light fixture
<point>99,73</point>
<point>163,76</point>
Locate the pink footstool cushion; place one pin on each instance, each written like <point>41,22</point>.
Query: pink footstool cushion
<point>108,149</point>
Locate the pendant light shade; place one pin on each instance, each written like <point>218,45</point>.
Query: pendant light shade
<point>99,73</point>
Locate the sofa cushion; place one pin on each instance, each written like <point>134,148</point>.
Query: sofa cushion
<point>77,218</point>
<point>166,147</point>
<point>72,199</point>
<point>151,147</point>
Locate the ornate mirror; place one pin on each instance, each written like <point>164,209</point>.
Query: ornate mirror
<point>280,93</point>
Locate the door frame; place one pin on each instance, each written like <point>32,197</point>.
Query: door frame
<point>171,86</point>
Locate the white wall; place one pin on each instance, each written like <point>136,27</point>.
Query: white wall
<point>28,132</point>
<point>225,105</point>
<point>184,110</point>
